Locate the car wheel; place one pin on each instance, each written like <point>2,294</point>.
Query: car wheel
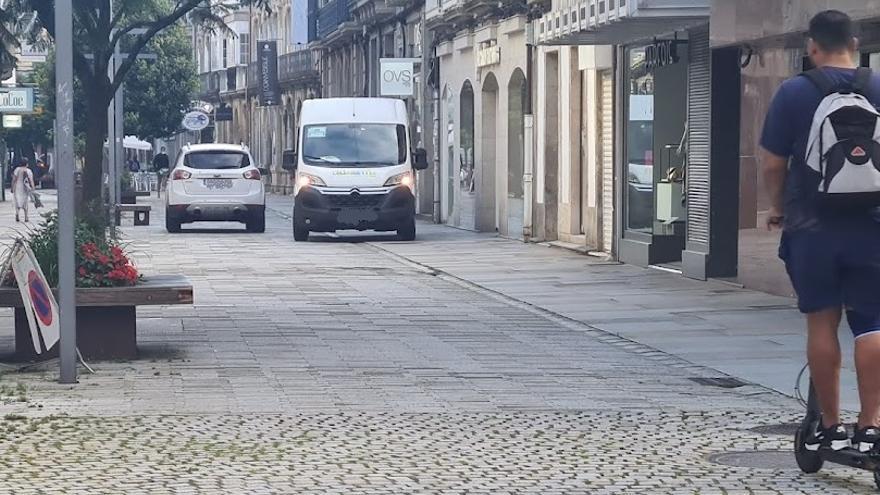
<point>171,225</point>
<point>407,230</point>
<point>257,225</point>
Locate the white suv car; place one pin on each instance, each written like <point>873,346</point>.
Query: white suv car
<point>215,182</point>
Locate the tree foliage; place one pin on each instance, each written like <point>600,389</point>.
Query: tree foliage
<point>158,92</point>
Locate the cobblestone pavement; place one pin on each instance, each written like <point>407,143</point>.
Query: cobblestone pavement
<point>334,367</point>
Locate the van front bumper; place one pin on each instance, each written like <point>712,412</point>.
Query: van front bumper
<point>374,210</point>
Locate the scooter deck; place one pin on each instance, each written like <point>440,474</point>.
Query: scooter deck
<point>852,458</point>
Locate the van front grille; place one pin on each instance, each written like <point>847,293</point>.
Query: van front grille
<point>355,200</point>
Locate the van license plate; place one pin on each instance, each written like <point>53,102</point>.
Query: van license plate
<point>215,184</point>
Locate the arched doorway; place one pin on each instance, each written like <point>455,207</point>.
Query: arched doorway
<point>465,158</point>
<point>485,214</point>
<point>516,102</point>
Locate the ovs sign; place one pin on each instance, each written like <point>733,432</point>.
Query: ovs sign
<point>397,76</point>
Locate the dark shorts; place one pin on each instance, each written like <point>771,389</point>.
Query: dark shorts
<point>837,267</point>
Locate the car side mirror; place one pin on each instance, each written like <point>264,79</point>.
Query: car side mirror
<point>263,171</point>
<point>420,159</point>
<point>288,160</point>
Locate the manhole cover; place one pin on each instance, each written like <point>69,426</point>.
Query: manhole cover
<point>723,382</point>
<point>785,429</point>
<point>756,459</point>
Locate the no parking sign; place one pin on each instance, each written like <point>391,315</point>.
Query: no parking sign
<point>39,302</point>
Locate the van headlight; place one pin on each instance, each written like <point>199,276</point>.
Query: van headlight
<point>404,179</point>
<point>303,180</point>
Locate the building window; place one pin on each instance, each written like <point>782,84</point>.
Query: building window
<point>225,55</point>
<point>244,44</point>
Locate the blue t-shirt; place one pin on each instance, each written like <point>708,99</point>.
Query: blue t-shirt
<point>785,134</point>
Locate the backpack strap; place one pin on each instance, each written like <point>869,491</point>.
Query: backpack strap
<point>862,82</point>
<point>821,80</point>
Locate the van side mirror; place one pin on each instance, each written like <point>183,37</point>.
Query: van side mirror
<point>288,160</point>
<point>420,159</point>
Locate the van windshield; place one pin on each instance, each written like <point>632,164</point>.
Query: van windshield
<point>354,145</point>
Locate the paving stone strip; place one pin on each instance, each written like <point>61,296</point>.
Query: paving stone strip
<point>392,453</point>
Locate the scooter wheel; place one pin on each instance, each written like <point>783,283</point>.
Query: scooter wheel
<point>807,460</point>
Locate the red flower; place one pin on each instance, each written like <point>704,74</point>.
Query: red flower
<point>103,259</point>
<point>82,271</point>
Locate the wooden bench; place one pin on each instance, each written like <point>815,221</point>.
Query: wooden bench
<point>141,214</point>
<point>106,317</point>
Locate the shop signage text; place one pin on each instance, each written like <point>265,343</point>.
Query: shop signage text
<point>490,55</point>
<point>17,100</point>
<point>270,92</point>
<point>196,120</point>
<point>223,113</point>
<point>396,76</point>
<point>12,121</point>
<point>661,54</point>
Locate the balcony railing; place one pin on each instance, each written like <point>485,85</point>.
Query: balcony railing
<point>295,65</point>
<point>212,83</point>
<point>332,15</point>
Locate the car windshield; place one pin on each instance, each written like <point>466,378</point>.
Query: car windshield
<point>354,145</point>
<point>216,160</point>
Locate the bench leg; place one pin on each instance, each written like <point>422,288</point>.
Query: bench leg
<point>107,332</point>
<point>24,342</point>
<point>141,218</point>
<point>101,333</point>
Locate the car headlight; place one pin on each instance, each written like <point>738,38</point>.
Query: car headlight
<point>404,179</point>
<point>303,180</point>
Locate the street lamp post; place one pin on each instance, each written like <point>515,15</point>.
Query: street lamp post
<point>64,170</point>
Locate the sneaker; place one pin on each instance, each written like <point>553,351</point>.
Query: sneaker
<point>865,438</point>
<point>834,437</point>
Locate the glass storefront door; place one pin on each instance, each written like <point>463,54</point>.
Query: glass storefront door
<point>656,141</point>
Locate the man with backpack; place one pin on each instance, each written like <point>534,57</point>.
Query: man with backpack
<point>821,163</point>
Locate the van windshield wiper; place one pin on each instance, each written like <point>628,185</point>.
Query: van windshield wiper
<point>316,158</point>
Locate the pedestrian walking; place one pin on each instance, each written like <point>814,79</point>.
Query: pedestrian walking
<point>821,164</point>
<point>161,165</point>
<point>22,188</point>
<point>160,161</point>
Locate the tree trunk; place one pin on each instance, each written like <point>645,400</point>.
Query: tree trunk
<point>96,133</point>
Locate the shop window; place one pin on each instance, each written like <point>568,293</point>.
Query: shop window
<point>656,133</point>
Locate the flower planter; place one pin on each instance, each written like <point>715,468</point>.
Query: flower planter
<point>106,317</point>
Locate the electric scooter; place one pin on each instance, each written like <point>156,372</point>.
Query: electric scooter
<point>811,461</point>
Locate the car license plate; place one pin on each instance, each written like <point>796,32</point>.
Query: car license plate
<point>353,216</point>
<point>215,184</point>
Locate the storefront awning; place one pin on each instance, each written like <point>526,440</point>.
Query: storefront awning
<point>610,22</point>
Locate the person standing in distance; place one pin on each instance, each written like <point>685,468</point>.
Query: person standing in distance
<point>22,187</point>
<point>831,250</point>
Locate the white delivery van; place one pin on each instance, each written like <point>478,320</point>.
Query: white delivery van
<point>354,165</point>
